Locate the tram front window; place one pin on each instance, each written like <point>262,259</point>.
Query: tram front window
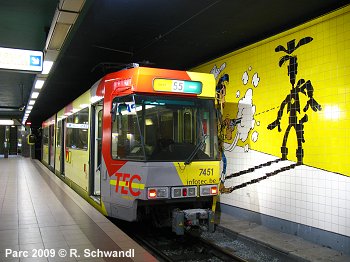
<point>150,128</point>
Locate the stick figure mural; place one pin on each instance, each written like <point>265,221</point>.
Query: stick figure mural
<point>292,100</point>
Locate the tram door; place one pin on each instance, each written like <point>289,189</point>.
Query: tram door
<point>96,156</point>
<point>52,146</point>
<point>62,154</point>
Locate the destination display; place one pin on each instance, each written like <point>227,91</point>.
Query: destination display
<point>180,86</point>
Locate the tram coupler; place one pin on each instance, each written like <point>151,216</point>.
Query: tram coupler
<point>182,220</point>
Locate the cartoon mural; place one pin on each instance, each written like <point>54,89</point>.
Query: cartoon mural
<point>285,129</point>
<point>235,129</point>
<point>245,122</point>
<point>292,100</point>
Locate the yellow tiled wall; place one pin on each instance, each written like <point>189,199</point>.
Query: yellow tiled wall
<point>317,191</point>
<point>325,61</point>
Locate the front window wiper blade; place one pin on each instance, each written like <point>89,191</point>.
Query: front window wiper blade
<point>195,150</point>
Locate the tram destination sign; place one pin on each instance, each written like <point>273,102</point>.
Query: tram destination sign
<point>21,60</point>
<point>179,86</point>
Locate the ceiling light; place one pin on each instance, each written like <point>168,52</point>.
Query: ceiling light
<point>58,36</point>
<point>73,6</point>
<point>31,102</point>
<point>35,95</point>
<point>29,107</point>
<point>47,67</point>
<point>6,122</point>
<point>39,84</point>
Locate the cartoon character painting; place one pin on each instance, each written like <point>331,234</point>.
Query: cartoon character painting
<point>232,130</point>
<point>292,100</point>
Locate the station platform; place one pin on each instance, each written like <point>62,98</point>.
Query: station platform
<point>38,211</point>
<point>295,247</point>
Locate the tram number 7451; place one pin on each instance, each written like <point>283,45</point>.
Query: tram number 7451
<point>206,171</point>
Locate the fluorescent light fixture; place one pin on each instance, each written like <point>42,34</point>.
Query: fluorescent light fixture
<point>6,122</point>
<point>29,107</point>
<point>59,35</point>
<point>31,102</point>
<point>73,6</point>
<point>39,83</point>
<point>35,95</point>
<point>47,67</point>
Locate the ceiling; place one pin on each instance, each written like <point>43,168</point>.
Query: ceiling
<point>23,24</point>
<point>108,34</point>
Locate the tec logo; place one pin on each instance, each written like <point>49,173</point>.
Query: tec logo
<point>127,183</point>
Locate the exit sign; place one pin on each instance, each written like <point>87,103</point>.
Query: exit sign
<point>21,60</point>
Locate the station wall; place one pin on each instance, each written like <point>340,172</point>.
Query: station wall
<point>286,112</point>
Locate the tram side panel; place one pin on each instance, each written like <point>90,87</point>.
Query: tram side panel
<point>76,139</point>
<point>48,142</point>
<point>59,144</point>
<point>45,146</point>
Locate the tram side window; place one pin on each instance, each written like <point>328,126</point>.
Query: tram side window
<point>46,136</point>
<point>58,138</point>
<point>51,135</point>
<point>126,139</point>
<point>77,130</point>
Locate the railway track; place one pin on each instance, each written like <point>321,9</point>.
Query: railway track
<point>168,247</point>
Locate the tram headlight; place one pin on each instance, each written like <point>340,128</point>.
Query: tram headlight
<point>158,192</point>
<point>208,190</point>
<point>152,193</point>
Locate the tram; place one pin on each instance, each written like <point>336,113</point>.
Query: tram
<point>142,143</point>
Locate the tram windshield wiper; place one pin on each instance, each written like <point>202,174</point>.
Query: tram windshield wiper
<point>195,150</point>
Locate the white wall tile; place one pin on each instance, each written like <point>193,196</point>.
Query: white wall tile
<point>303,195</point>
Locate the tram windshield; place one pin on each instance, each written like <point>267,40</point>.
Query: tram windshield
<point>149,128</point>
